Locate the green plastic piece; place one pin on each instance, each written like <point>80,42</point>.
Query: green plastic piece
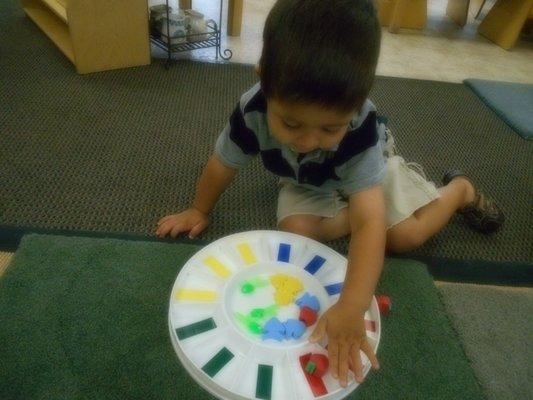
<point>250,286</point>
<point>257,313</point>
<point>261,313</point>
<point>259,282</point>
<point>247,288</point>
<point>250,324</point>
<point>255,328</point>
<point>310,367</point>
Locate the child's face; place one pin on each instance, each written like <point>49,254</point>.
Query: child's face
<point>307,127</point>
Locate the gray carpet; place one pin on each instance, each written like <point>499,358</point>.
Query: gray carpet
<point>495,325</point>
<point>115,151</point>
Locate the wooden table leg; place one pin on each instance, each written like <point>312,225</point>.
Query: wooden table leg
<point>185,4</point>
<point>400,7</point>
<point>505,20</point>
<point>457,10</point>
<point>234,17</point>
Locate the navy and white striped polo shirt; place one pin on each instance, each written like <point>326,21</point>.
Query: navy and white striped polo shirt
<point>357,163</point>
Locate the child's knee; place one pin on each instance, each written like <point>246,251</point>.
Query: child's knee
<point>299,224</point>
<point>404,239</point>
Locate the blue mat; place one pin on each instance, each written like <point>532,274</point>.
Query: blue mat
<point>513,102</point>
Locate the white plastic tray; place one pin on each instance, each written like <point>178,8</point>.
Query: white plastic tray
<point>229,361</point>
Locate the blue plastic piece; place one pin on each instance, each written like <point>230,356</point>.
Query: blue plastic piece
<point>274,329</point>
<point>273,335</point>
<point>274,325</point>
<point>294,329</point>
<point>310,301</point>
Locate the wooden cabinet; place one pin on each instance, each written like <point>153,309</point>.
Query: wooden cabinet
<point>96,35</point>
<point>402,13</point>
<point>505,21</point>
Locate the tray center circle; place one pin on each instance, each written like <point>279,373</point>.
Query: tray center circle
<point>250,300</point>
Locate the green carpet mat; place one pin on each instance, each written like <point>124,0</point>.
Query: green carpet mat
<point>86,318</point>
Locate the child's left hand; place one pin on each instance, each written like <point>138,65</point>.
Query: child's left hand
<point>345,328</point>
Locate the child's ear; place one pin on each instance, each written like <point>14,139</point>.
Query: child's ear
<point>257,70</point>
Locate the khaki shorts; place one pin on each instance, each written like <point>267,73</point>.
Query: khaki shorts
<point>405,189</point>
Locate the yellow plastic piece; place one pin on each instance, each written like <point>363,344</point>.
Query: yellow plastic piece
<point>283,298</point>
<point>278,280</point>
<point>193,294</point>
<point>287,287</point>
<point>286,282</point>
<point>217,267</point>
<point>246,253</point>
<point>293,285</point>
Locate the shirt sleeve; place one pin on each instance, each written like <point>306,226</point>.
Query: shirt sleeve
<point>366,169</point>
<point>237,144</point>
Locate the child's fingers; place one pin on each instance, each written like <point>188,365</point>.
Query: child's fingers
<point>164,226</point>
<point>333,355</point>
<point>357,364</point>
<point>197,229</point>
<point>319,331</point>
<point>177,229</point>
<point>367,349</point>
<point>344,353</point>
<point>166,218</point>
<point>164,229</point>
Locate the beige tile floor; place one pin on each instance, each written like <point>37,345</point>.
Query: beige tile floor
<point>442,51</point>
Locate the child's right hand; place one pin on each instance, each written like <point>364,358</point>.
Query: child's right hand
<point>191,220</point>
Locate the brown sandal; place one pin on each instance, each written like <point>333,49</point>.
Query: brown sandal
<point>482,214</point>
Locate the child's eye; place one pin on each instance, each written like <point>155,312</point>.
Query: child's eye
<point>331,130</point>
<point>290,126</point>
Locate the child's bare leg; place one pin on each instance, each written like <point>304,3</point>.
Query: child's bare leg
<point>318,228</point>
<point>407,235</point>
<point>430,219</point>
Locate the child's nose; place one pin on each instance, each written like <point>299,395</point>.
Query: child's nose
<point>307,142</point>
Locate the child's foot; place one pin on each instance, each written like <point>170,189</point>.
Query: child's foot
<point>480,212</point>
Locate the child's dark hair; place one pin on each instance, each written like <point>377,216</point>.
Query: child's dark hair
<point>320,52</point>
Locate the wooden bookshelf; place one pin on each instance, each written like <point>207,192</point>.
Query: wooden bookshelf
<point>59,8</point>
<point>56,29</point>
<point>505,21</point>
<point>95,35</point>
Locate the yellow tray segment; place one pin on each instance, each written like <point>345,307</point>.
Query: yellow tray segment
<point>217,267</point>
<point>247,254</point>
<point>195,295</point>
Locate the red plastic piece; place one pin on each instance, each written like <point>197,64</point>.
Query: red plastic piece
<point>315,383</point>
<point>307,316</point>
<point>317,365</point>
<point>384,304</point>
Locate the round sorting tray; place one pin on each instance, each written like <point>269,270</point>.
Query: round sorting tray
<point>220,351</point>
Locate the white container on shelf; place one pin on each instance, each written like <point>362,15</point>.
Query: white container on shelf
<point>157,12</point>
<point>198,26</point>
<point>178,24</point>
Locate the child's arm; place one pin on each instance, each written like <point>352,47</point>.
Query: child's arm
<point>344,322</point>
<point>215,178</point>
